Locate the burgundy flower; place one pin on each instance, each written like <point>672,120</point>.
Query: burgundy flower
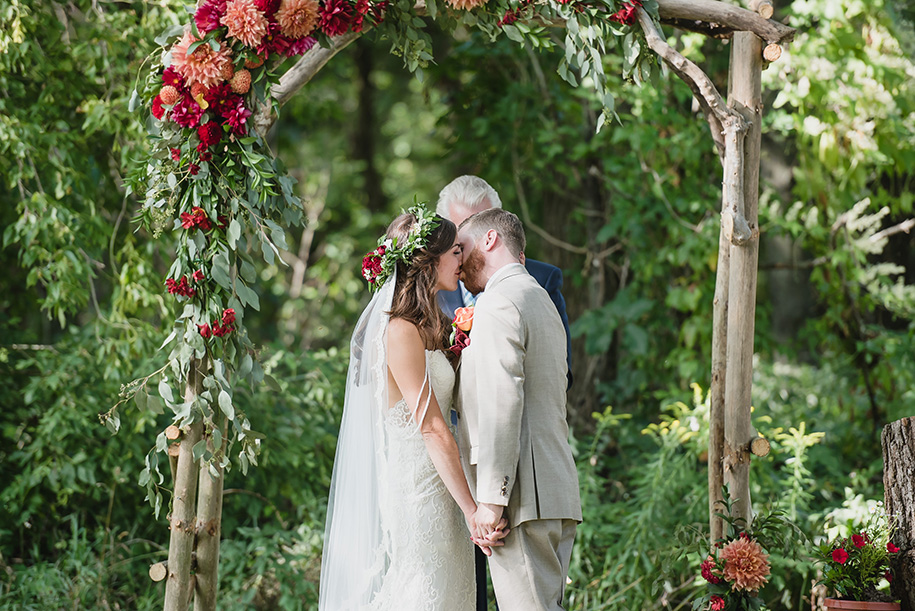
<point>187,112</point>
<point>888,575</point>
<point>336,17</point>
<point>157,111</point>
<point>267,7</point>
<point>362,9</point>
<point>204,330</point>
<point>716,603</point>
<point>219,96</point>
<point>627,14</point>
<point>891,548</point>
<point>175,153</point>
<point>708,571</point>
<point>204,155</point>
<point>858,541</point>
<point>198,276</point>
<point>509,17</point>
<point>839,555</point>
<point>461,341</point>
<point>193,169</point>
<point>237,117</point>
<point>223,222</point>
<point>208,15</point>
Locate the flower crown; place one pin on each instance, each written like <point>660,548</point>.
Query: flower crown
<point>379,264</point>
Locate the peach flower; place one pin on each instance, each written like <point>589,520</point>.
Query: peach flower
<point>204,65</point>
<point>297,18</point>
<point>746,565</point>
<point>245,22</point>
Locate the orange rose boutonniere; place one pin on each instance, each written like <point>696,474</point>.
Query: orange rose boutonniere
<point>461,325</point>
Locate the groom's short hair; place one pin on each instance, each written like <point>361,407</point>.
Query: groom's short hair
<point>506,224</point>
<point>472,192</point>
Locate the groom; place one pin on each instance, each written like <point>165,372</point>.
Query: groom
<point>513,427</point>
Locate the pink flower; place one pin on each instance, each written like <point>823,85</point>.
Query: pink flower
<point>336,17</point>
<point>208,15</point>
<point>858,541</point>
<point>297,18</point>
<point>244,22</point>
<point>187,112</point>
<point>176,154</point>
<point>204,65</point>
<point>198,276</point>
<point>716,603</point>
<point>839,555</point>
<point>300,46</point>
<point>891,548</point>
<point>267,7</point>
<point>746,565</point>
<point>237,117</point>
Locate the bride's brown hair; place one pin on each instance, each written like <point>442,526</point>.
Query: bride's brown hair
<point>414,293</point>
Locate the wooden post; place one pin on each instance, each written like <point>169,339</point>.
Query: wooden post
<point>179,585</point>
<point>744,96</point>
<point>209,527</point>
<point>719,381</point>
<point>898,466</point>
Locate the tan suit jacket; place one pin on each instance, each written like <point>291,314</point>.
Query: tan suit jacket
<point>512,402</point>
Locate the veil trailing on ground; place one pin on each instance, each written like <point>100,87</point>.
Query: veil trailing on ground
<point>354,556</point>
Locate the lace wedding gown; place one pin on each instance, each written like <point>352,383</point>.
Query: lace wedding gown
<point>430,552</point>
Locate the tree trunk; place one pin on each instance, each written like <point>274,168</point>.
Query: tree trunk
<point>366,127</point>
<point>744,96</point>
<point>179,584</point>
<point>209,528</point>
<point>898,466</point>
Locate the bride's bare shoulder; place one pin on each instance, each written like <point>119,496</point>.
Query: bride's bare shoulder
<point>402,330</point>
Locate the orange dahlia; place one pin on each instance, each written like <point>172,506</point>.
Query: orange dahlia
<point>746,565</point>
<point>297,18</point>
<point>204,65</point>
<point>245,22</point>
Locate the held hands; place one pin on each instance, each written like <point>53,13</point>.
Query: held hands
<point>488,527</point>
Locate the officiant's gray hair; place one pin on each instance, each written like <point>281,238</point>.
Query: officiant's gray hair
<point>472,192</point>
<point>506,224</point>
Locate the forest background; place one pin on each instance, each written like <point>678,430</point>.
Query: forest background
<point>629,213</point>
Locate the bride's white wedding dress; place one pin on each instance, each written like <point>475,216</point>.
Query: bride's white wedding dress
<point>431,564</point>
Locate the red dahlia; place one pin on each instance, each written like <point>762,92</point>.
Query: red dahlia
<point>209,133</point>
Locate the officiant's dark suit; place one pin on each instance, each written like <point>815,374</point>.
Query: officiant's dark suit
<point>548,276</point>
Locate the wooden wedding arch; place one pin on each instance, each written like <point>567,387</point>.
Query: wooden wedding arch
<point>735,125</point>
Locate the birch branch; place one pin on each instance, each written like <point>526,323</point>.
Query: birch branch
<point>713,106</point>
<point>726,15</point>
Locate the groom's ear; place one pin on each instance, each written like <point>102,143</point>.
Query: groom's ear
<point>490,239</point>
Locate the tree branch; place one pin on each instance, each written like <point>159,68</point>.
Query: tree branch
<point>713,106</point>
<point>727,15</point>
<point>297,76</point>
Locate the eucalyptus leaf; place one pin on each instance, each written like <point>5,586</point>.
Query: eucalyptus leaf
<point>165,391</point>
<point>199,449</point>
<point>225,404</point>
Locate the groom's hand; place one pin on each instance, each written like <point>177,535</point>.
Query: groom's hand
<point>486,519</point>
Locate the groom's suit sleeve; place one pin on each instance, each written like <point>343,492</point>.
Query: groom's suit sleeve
<point>499,338</point>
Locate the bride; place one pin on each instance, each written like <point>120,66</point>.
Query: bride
<point>396,534</point>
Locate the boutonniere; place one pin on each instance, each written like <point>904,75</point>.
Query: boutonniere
<point>460,329</point>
